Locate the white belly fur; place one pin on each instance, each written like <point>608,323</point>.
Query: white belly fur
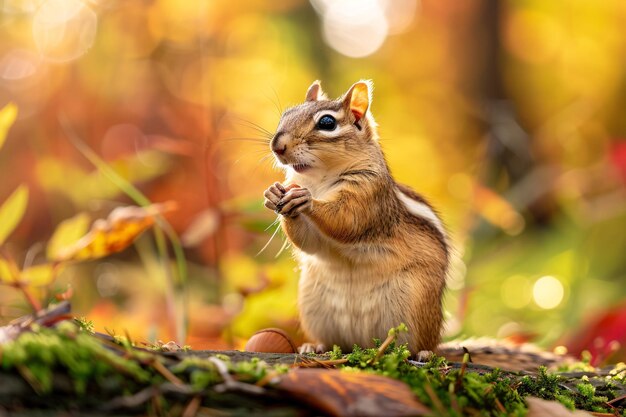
<point>342,305</point>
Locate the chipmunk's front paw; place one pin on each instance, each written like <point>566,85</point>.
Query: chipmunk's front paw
<point>273,195</point>
<point>294,202</point>
<point>424,356</point>
<point>312,348</point>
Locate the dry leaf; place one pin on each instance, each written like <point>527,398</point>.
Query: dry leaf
<point>340,393</point>
<point>114,234</point>
<point>543,408</point>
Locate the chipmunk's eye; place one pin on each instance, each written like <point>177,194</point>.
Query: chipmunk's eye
<point>326,122</point>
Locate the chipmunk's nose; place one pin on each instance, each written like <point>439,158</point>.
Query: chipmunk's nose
<point>279,144</point>
<point>279,150</point>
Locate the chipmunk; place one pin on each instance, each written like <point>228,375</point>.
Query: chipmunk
<point>372,252</point>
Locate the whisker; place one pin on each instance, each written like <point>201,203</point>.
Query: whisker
<point>269,241</point>
<point>276,105</point>
<point>280,105</point>
<point>245,139</point>
<point>340,152</point>
<point>262,161</point>
<point>267,162</point>
<point>253,151</point>
<point>282,248</point>
<point>256,127</point>
<point>316,157</point>
<point>274,223</point>
<point>251,125</point>
<point>267,157</point>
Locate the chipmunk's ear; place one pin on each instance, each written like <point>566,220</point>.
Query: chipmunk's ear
<point>358,99</point>
<point>315,92</point>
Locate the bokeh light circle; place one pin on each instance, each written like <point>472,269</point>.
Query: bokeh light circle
<point>18,65</point>
<point>64,30</point>
<point>355,28</point>
<point>548,292</point>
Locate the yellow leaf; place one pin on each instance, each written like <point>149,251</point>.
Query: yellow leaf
<point>5,271</point>
<point>8,114</point>
<point>12,211</point>
<point>68,232</point>
<point>39,275</point>
<point>114,234</point>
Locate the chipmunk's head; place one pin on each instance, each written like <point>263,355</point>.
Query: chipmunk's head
<point>321,134</point>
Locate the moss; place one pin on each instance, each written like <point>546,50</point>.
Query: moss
<point>618,373</point>
<point>544,385</point>
<point>201,373</point>
<point>459,392</point>
<point>84,324</point>
<point>38,354</point>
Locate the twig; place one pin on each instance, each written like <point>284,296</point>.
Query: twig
<point>192,408</point>
<point>459,379</point>
<point>500,406</point>
<point>141,397</point>
<point>231,384</point>
<point>157,408</point>
<point>167,374</point>
<point>30,378</point>
<point>316,363</point>
<point>267,379</point>
<point>19,285</point>
<point>614,400</point>
<point>34,303</point>
<point>381,350</point>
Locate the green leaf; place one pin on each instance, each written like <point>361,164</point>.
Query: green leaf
<point>8,114</point>
<point>12,211</point>
<point>67,233</point>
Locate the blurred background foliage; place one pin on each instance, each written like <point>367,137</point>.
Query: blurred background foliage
<point>508,115</point>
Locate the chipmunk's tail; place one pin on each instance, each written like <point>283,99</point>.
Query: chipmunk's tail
<point>503,355</point>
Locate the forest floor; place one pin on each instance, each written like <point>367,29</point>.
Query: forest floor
<point>67,369</point>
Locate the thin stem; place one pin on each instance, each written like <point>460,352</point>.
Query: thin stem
<point>16,283</point>
<point>138,197</point>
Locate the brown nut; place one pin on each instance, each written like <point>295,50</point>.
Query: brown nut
<point>270,341</point>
